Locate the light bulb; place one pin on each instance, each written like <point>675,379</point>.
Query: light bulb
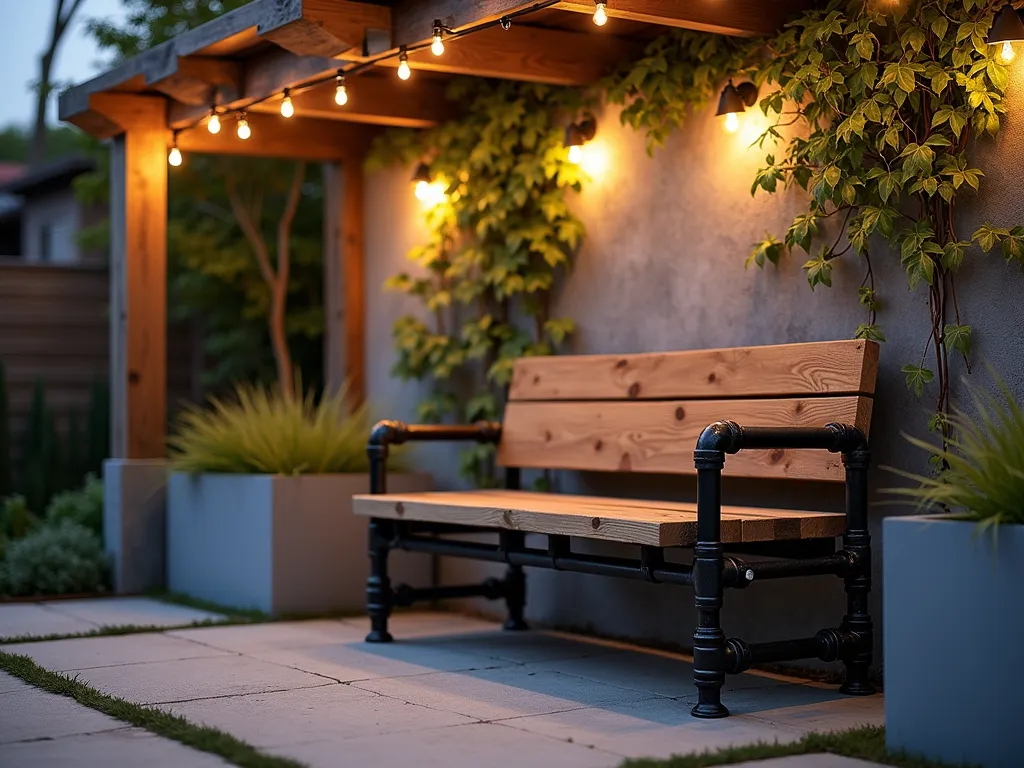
<point>437,46</point>
<point>423,190</point>
<point>1007,54</point>
<point>404,71</point>
<point>575,153</point>
<point>732,122</point>
<point>341,93</point>
<point>174,156</point>
<point>287,108</point>
<point>214,125</point>
<point>601,14</point>
<point>243,130</point>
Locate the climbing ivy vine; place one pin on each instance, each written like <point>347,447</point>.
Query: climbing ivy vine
<point>498,243</point>
<point>880,103</point>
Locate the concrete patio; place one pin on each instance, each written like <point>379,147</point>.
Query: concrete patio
<point>452,691</point>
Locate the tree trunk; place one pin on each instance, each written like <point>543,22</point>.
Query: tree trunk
<point>61,19</point>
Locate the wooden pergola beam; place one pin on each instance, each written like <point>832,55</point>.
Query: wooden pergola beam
<point>528,53</point>
<point>374,98</point>
<point>413,20</point>
<point>301,138</point>
<point>201,80</point>
<point>326,27</point>
<point>742,18</point>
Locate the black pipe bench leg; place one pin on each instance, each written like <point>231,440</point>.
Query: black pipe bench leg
<point>378,585</point>
<point>709,654</point>
<point>515,580</point>
<point>857,541</point>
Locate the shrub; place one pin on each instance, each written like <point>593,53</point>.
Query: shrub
<point>6,465</point>
<point>16,520</point>
<point>260,431</point>
<point>54,560</point>
<point>83,506</point>
<point>41,459</point>
<point>983,479</point>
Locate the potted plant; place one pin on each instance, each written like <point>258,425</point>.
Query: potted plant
<point>259,504</point>
<point>954,606</point>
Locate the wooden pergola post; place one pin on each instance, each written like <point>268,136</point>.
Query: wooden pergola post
<point>344,280</point>
<point>138,281</point>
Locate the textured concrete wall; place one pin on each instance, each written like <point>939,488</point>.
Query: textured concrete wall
<point>662,268</point>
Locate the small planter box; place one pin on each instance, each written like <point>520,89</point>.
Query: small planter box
<point>954,628</point>
<point>275,543</point>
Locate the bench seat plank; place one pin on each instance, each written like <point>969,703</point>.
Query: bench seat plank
<point>631,521</point>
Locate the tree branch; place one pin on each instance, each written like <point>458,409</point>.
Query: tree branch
<point>250,230</point>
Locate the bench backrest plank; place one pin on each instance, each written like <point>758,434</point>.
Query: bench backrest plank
<point>643,413</point>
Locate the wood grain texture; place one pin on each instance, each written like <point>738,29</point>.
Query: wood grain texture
<point>328,27</point>
<point>786,370</point>
<point>745,18</point>
<point>659,436</point>
<point>354,269</point>
<point>527,53</point>
<point>138,292</point>
<point>630,521</point>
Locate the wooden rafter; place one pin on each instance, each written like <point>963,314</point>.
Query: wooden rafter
<point>744,18</point>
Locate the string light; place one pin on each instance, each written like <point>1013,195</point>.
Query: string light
<point>404,71</point>
<point>341,92</point>
<point>601,13</point>
<point>437,44</point>
<point>174,156</point>
<point>243,130</point>
<point>287,108</point>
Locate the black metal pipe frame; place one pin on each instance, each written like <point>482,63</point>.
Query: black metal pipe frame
<point>713,654</point>
<point>712,570</point>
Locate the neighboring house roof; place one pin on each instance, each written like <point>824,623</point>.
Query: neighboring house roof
<point>11,171</point>
<point>52,175</point>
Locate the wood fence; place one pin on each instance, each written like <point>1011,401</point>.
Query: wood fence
<point>54,328</point>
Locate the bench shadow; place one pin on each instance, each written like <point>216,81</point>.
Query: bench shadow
<point>652,687</point>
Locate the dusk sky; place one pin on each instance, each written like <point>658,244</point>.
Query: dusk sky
<point>24,32</point>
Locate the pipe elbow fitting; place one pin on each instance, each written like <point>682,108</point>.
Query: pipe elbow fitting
<point>387,432</point>
<point>846,438</point>
<point>722,437</point>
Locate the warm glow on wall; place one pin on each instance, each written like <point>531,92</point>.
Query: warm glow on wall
<point>430,193</point>
<point>593,159</point>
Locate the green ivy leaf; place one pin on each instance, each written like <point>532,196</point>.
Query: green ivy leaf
<point>958,338</point>
<point>917,378</point>
<point>871,332</point>
<point>768,250</point>
<point>819,270</point>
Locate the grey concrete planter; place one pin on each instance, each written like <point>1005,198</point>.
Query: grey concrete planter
<point>954,632</point>
<point>278,544</point>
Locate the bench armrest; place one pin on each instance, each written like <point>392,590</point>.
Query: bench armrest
<point>730,437</point>
<point>387,433</point>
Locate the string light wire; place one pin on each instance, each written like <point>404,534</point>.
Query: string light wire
<point>339,75</point>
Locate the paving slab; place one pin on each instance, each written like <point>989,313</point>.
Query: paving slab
<point>123,748</point>
<point>518,647</point>
<point>350,662</point>
<point>186,679</point>
<point>461,746</point>
<point>810,761</point>
<point>284,635</point>
<point>422,624</point>
<point>493,694</point>
<point>87,653</point>
<point>38,714</point>
<point>654,728</point>
<point>12,684</point>
<point>33,620</point>
<point>659,673</point>
<point>330,713</point>
<point>138,611</point>
<point>833,714</point>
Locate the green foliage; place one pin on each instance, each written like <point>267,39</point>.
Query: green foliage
<point>60,141</point>
<point>213,276</point>
<point>984,479</point>
<point>56,559</point>
<point>260,431</point>
<point>16,522</point>
<point>498,244</point>
<point>151,22</point>
<point>97,428</point>
<point>83,506</point>
<point>679,70</point>
<point>41,474</point>
<point>6,465</point>
<point>874,106</point>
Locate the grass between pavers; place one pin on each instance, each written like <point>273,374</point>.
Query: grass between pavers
<point>866,743</point>
<point>110,630</point>
<point>154,720</point>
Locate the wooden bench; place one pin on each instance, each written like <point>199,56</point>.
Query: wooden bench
<point>810,405</point>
